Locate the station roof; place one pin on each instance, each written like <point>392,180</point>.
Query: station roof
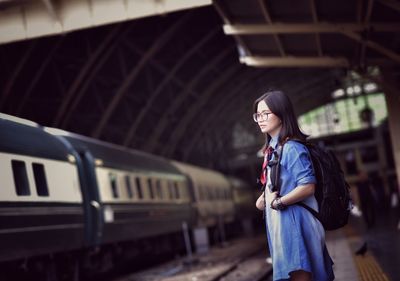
<point>310,33</point>
<point>176,85</point>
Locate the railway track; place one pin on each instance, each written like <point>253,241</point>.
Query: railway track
<point>241,260</point>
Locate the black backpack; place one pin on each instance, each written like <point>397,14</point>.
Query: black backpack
<point>332,192</point>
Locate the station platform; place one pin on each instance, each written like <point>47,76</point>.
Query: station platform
<point>378,249</point>
<point>359,254</point>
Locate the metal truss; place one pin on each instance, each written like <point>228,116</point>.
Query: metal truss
<point>92,60</point>
<point>37,76</point>
<point>161,86</point>
<point>78,91</point>
<point>18,68</point>
<point>159,129</point>
<point>133,73</point>
<point>182,125</point>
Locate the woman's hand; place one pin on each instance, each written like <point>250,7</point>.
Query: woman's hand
<point>271,197</point>
<point>260,203</point>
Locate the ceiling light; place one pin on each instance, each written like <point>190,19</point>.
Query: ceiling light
<point>370,87</point>
<point>338,93</point>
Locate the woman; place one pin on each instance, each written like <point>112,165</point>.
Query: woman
<point>296,239</point>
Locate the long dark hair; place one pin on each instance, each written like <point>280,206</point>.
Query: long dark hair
<point>280,104</point>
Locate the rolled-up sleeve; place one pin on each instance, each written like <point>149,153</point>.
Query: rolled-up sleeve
<point>298,163</point>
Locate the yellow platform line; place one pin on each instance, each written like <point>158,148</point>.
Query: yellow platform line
<point>369,269</point>
<point>367,265</point>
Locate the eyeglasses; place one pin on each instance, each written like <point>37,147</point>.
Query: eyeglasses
<point>261,116</point>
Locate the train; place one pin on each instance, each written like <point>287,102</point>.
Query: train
<point>72,205</point>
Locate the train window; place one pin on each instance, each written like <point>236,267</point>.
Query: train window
<point>209,194</point>
<point>159,190</point>
<point>40,179</point>
<point>113,182</point>
<point>20,177</point>
<point>177,195</point>
<point>201,192</point>
<point>150,185</point>
<point>128,186</point>
<point>139,188</point>
<point>183,190</point>
<point>170,190</point>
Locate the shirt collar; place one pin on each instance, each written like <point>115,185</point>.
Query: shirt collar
<point>274,141</point>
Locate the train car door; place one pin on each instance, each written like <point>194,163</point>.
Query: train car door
<point>93,206</point>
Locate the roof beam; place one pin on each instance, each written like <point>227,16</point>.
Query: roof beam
<point>267,17</point>
<point>391,4</point>
<point>252,29</point>
<point>315,19</point>
<point>366,21</point>
<point>263,61</point>
<point>21,20</point>
<point>239,41</point>
<point>373,45</point>
<point>52,11</point>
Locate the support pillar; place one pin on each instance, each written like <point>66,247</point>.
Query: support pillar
<point>391,87</point>
<point>201,240</point>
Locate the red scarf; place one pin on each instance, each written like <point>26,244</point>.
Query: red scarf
<point>268,152</point>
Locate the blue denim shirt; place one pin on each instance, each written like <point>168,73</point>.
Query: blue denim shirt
<point>296,239</point>
<point>296,169</point>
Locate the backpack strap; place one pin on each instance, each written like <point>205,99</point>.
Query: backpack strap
<point>276,182</point>
<point>276,169</point>
<point>311,210</point>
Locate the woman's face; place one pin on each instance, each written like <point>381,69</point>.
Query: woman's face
<point>270,125</point>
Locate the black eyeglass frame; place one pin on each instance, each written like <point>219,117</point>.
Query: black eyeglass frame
<point>264,114</point>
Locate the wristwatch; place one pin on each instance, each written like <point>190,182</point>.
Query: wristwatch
<point>277,204</point>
